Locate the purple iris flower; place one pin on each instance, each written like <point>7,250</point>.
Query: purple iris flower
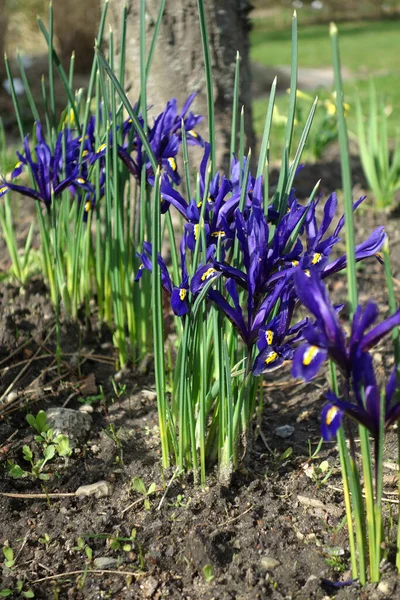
<point>325,338</point>
<point>275,341</point>
<point>179,293</point>
<point>50,176</point>
<point>165,137</point>
<point>218,212</point>
<point>366,409</point>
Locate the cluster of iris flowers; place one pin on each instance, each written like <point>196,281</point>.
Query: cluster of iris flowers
<point>259,291</point>
<point>69,164</point>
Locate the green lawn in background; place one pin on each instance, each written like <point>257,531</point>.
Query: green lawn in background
<point>369,48</point>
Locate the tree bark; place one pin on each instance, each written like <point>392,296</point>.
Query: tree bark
<point>178,67</point>
<point>76,24</point>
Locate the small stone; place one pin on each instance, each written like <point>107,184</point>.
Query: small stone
<point>105,562</point>
<point>11,397</point>
<point>88,386</point>
<point>63,510</point>
<point>149,586</point>
<point>101,489</point>
<point>149,395</point>
<point>106,346</point>
<point>313,502</point>
<point>95,448</point>
<point>74,360</point>
<point>86,408</point>
<point>269,564</point>
<point>284,431</point>
<point>121,374</point>
<point>74,424</point>
<point>387,587</point>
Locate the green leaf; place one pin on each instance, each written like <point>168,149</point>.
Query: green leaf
<point>5,593</point>
<point>62,445</point>
<point>139,486</point>
<point>16,471</point>
<point>27,452</point>
<point>44,476</point>
<point>29,594</point>
<point>41,421</point>
<point>49,452</point>
<point>32,421</point>
<point>8,553</point>
<point>151,489</point>
<point>288,452</point>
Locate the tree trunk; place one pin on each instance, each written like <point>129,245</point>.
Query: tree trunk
<point>3,33</point>
<point>76,23</point>
<point>178,67</point>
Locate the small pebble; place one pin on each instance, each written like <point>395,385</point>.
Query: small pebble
<point>149,586</point>
<point>149,395</point>
<point>105,562</point>
<point>269,563</point>
<point>86,408</point>
<point>11,397</point>
<point>121,374</point>
<point>387,587</point>
<point>106,346</point>
<point>284,431</point>
<point>101,489</point>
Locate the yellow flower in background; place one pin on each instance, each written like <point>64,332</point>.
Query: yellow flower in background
<point>279,119</point>
<point>330,105</point>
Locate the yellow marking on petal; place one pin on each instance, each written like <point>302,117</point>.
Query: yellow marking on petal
<point>310,355</point>
<point>18,165</point>
<point>271,358</point>
<point>3,189</point>
<point>101,148</point>
<point>307,272</point>
<point>218,234</point>
<point>182,294</point>
<point>199,204</point>
<point>88,206</point>
<point>196,231</point>
<point>85,153</point>
<point>130,121</point>
<point>331,414</point>
<point>80,180</point>
<point>295,263</point>
<point>81,138</point>
<point>209,273</point>
<point>172,163</point>
<point>193,133</point>
<point>316,258</point>
<point>269,336</point>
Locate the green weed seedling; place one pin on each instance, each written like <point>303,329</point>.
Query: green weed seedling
<point>8,553</point>
<point>180,502</point>
<point>139,487</point>
<point>82,546</point>
<point>90,400</point>
<point>122,543</point>
<point>50,446</point>
<point>208,573</point>
<point>113,434</point>
<point>45,540</point>
<point>19,590</point>
<point>119,388</point>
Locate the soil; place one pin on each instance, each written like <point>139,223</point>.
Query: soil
<point>276,531</point>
